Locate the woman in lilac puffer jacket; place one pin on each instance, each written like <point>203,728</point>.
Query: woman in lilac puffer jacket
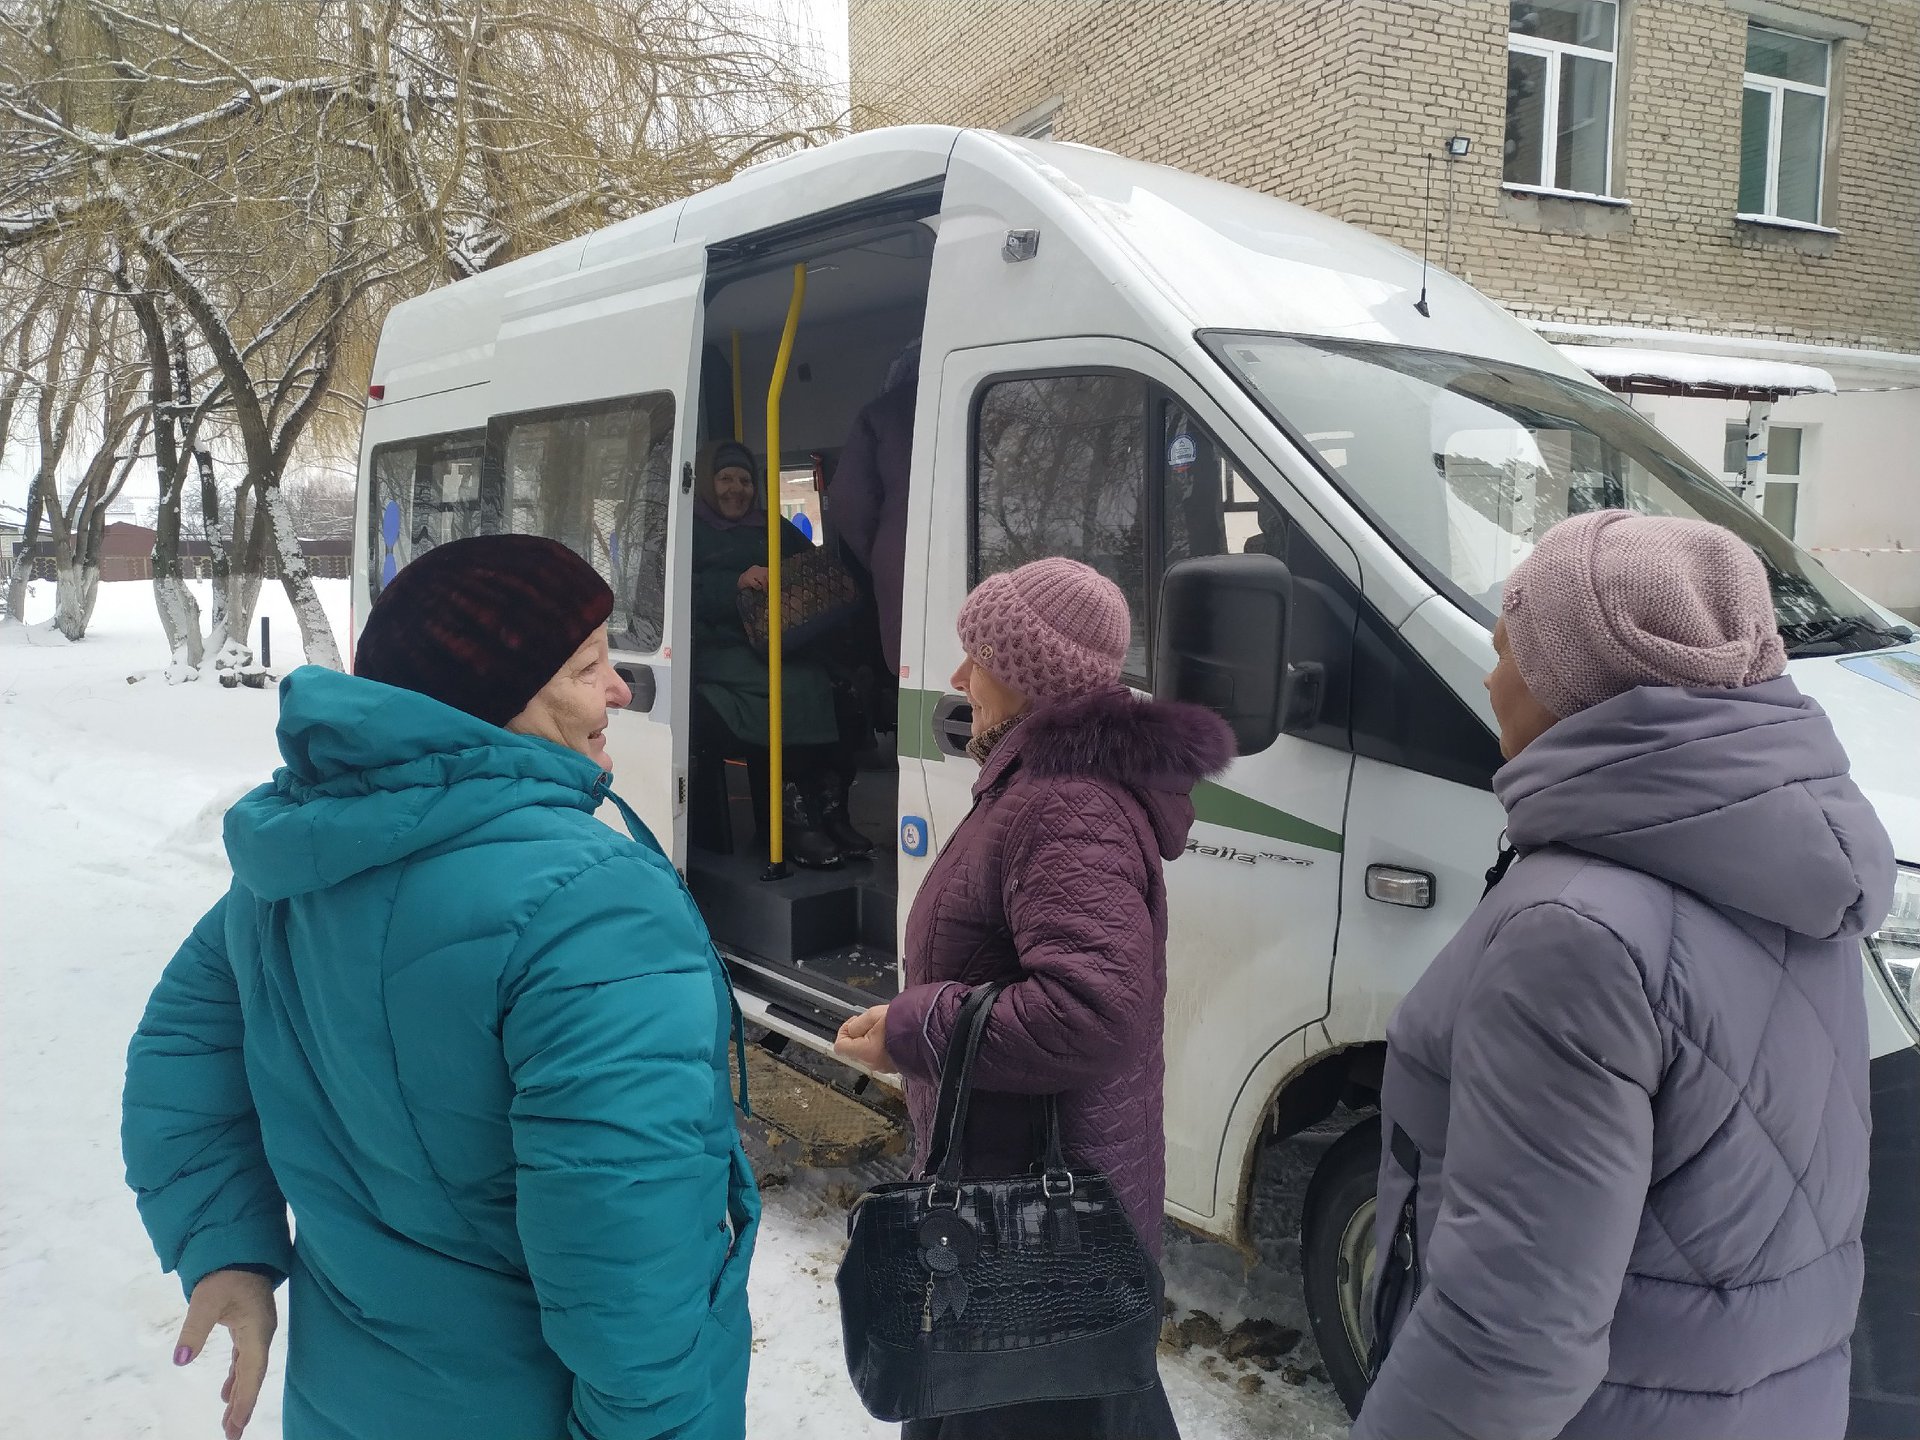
<point>1054,883</point>
<point>1626,1108</point>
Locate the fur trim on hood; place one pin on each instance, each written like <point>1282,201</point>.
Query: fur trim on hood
<point>1144,744</point>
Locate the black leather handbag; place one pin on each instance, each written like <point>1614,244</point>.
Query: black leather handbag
<point>964,1294</point>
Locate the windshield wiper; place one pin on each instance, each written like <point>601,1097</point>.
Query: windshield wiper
<point>1830,637</point>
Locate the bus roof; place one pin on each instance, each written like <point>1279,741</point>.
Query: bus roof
<point>1220,256</point>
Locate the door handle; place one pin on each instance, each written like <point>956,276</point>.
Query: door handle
<point>952,724</point>
<point>640,681</point>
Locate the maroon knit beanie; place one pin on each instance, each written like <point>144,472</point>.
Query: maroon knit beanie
<point>483,624</point>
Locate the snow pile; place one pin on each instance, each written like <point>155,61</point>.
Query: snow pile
<point>1675,367</point>
<point>110,807</point>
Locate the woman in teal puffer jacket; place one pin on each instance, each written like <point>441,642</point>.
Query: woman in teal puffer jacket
<point>473,1038</point>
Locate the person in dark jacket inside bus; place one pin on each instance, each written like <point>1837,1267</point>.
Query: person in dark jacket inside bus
<point>867,501</point>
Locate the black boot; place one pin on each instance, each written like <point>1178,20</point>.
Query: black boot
<point>809,845</point>
<point>838,822</point>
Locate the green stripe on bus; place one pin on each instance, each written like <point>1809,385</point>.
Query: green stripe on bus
<point>1218,805</point>
<point>914,739</point>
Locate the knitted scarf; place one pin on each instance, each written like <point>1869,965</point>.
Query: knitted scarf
<point>982,745</point>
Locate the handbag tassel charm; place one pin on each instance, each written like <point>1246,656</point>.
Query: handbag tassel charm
<point>948,1288</point>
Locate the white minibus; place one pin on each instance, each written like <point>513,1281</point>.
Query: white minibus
<point>1142,369</point>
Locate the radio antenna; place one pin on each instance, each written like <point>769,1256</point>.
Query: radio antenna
<point>1426,236</point>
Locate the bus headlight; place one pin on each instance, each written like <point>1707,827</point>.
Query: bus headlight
<point>1896,947</point>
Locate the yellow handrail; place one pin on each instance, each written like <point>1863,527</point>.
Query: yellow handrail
<point>776,713</point>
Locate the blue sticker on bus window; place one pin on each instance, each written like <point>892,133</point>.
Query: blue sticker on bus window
<point>390,523</point>
<point>388,569</point>
<point>1182,452</point>
<point>913,835</point>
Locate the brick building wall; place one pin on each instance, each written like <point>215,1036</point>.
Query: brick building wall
<point>1338,104</point>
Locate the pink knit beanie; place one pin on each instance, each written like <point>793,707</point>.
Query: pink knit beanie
<point>1611,600</point>
<point>1051,630</point>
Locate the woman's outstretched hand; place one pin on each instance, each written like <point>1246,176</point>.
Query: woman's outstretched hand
<point>243,1302</point>
<point>864,1038</point>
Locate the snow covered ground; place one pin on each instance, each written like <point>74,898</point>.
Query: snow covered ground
<point>112,785</point>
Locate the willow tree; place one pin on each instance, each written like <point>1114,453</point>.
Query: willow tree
<point>71,382</point>
<point>276,175</point>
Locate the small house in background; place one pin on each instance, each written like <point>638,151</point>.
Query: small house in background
<point>126,553</point>
<point>12,531</point>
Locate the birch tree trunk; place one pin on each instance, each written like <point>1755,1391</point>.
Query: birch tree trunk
<point>167,394</point>
<point>77,587</point>
<point>179,610</point>
<point>316,634</point>
<point>22,571</point>
<point>236,598</point>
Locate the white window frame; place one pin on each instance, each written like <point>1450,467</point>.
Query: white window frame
<point>1552,51</point>
<point>1038,122</point>
<point>1775,89</point>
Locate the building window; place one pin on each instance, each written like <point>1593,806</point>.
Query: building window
<point>597,478</point>
<point>1783,126</point>
<point>1782,453</point>
<point>1560,70</point>
<point>1060,468</point>
<point>1039,122</point>
<point>1733,460</point>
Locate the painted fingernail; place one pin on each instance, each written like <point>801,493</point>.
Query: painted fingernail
<point>183,1355</point>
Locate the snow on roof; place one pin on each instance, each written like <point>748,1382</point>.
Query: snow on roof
<point>1679,372</point>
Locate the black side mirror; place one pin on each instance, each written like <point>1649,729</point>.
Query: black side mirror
<point>1224,637</point>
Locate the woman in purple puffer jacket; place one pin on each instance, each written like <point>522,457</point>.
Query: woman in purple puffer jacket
<point>1054,883</point>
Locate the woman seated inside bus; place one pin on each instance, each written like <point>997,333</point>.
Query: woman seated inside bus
<point>730,678</point>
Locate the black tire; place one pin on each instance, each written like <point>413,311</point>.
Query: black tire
<point>1341,1195</point>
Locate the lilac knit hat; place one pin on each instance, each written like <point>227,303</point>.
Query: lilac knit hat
<point>1052,629</point>
<point>1611,600</point>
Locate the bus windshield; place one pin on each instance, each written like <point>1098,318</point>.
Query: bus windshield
<point>1465,462</point>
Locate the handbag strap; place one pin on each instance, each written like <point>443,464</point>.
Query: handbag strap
<point>956,1081</point>
<point>1054,1157</point>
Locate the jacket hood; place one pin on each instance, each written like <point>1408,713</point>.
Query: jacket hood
<point>374,774</point>
<point>1741,797</point>
<point>1158,749</point>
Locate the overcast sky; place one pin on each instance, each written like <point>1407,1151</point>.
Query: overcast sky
<point>822,24</point>
<point>827,21</point>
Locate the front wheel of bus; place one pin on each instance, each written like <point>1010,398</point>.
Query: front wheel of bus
<point>1337,1254</point>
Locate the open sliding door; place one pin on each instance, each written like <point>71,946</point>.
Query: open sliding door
<point>593,436</point>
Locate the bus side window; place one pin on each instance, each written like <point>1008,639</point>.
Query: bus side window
<point>1060,468</point>
<point>424,492</point>
<point>598,479</point>
<point>1208,506</point>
